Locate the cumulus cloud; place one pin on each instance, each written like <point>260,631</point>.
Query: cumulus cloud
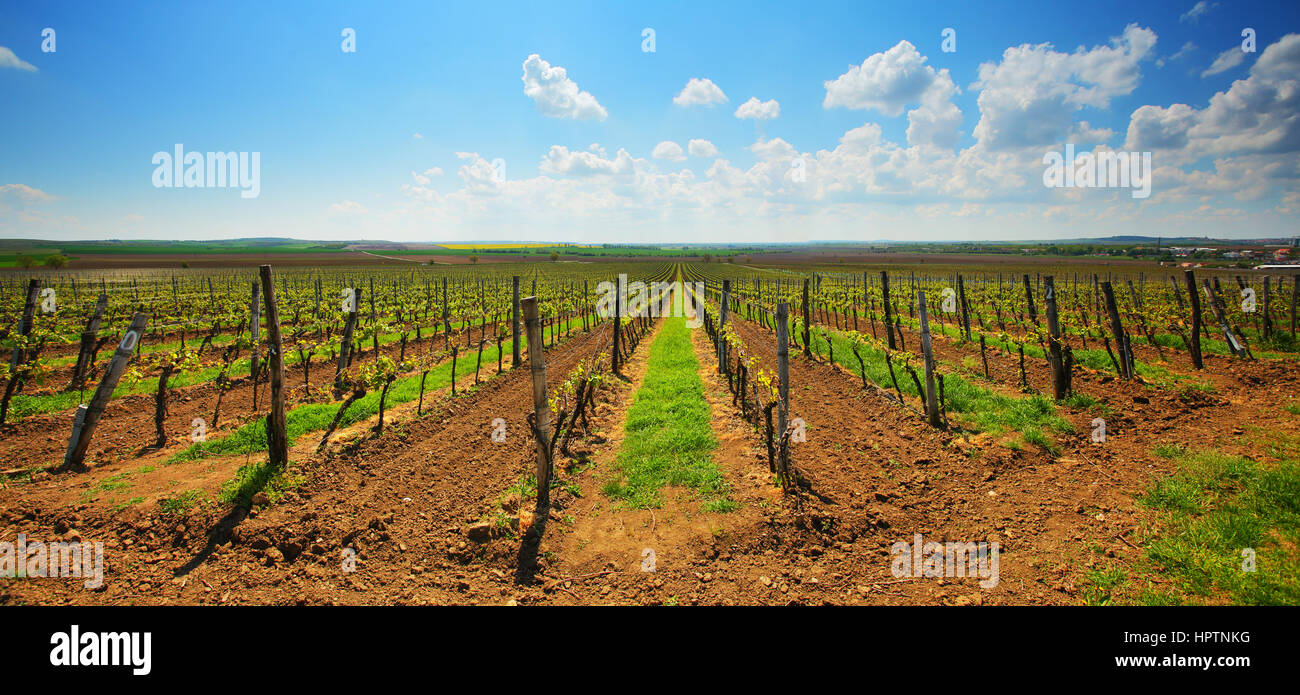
<point>1027,99</point>
<point>561,160</point>
<point>668,150</point>
<point>701,148</point>
<point>886,82</point>
<point>556,95</point>
<point>700,92</point>
<point>9,60</point>
<point>891,81</point>
<point>1225,61</point>
<point>759,110</point>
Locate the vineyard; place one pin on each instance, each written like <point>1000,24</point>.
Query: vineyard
<point>654,432</point>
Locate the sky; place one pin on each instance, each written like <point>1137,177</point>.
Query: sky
<point>628,122</point>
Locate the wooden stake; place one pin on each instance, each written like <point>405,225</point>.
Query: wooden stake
<point>783,381</point>
<point>83,427</point>
<point>1060,370</point>
<point>541,413</point>
<point>1195,298</point>
<point>277,437</point>
<point>931,401</point>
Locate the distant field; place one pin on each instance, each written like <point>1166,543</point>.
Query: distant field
<point>197,247</point>
<point>512,246</point>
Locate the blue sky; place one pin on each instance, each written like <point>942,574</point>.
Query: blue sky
<point>398,139</point>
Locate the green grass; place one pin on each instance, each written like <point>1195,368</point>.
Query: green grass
<point>180,504</point>
<point>254,478</point>
<point>975,406</point>
<point>1212,509</point>
<point>669,433</point>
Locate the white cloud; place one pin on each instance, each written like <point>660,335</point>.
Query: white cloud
<point>417,136</point>
<point>560,160</point>
<point>668,150</point>
<point>1198,10</point>
<point>886,82</point>
<point>776,148</point>
<point>347,207</point>
<point>890,81</point>
<point>1225,61</point>
<point>24,193</point>
<point>9,60</point>
<point>700,92</point>
<point>701,148</point>
<point>1027,99</point>
<point>424,178</point>
<point>759,110</point>
<point>1183,52</point>
<point>556,95</point>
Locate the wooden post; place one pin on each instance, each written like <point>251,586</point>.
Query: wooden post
<point>277,437</point>
<point>1060,371</point>
<point>86,353</point>
<point>807,342</point>
<point>254,325</point>
<point>87,418</point>
<point>1117,329</point>
<point>1029,297</point>
<point>541,412</point>
<point>345,348</point>
<point>722,321</point>
<point>516,355</point>
<point>965,309</point>
<point>1216,304</point>
<point>1295,299</point>
<point>884,291</point>
<point>1195,298</point>
<point>931,399</point>
<point>25,325</point>
<point>446,316</point>
<point>1268,319</point>
<point>783,380</point>
<point>618,322</point>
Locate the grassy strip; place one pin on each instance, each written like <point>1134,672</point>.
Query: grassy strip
<point>669,430</point>
<point>316,417</point>
<point>977,407</point>
<point>1214,513</point>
